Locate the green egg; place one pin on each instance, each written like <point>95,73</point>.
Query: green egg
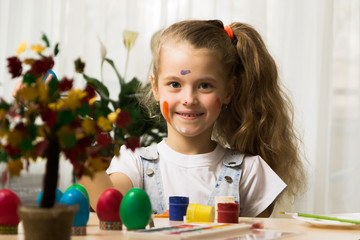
<point>135,209</point>
<point>81,188</point>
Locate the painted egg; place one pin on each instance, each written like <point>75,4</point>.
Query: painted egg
<point>108,206</point>
<point>81,188</point>
<point>57,197</point>
<point>9,203</point>
<point>135,209</point>
<point>73,197</point>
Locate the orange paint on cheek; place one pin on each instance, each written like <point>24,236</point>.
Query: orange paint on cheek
<point>166,111</point>
<point>218,102</point>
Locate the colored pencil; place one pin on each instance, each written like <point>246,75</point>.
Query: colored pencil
<point>321,217</point>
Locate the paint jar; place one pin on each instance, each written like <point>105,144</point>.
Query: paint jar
<point>200,213</point>
<point>222,199</point>
<point>177,207</point>
<point>228,213</point>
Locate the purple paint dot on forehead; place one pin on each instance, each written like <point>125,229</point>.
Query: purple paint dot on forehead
<point>184,72</point>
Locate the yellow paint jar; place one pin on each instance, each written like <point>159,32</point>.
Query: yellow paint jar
<point>200,213</point>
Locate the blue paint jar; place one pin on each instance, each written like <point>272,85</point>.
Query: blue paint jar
<point>177,207</point>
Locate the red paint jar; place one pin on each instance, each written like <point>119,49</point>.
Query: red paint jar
<point>228,212</point>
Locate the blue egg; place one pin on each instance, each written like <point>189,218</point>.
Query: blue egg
<point>57,197</point>
<point>73,197</point>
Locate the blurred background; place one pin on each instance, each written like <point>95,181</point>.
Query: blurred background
<point>316,44</point>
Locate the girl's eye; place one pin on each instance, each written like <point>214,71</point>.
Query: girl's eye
<point>205,85</point>
<point>174,84</point>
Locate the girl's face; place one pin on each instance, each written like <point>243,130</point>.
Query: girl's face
<point>190,88</point>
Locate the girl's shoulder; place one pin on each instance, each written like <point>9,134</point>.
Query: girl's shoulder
<point>149,152</point>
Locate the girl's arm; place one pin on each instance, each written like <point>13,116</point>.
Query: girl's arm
<point>102,181</point>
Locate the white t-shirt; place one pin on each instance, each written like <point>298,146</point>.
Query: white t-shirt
<point>195,176</point>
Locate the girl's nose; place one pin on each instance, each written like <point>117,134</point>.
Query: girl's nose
<point>190,98</point>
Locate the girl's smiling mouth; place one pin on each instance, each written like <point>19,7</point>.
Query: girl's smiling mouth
<point>189,115</point>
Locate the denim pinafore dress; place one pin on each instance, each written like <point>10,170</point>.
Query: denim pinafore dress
<point>227,183</point>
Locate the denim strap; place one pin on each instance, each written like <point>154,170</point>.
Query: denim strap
<point>229,178</point>
<point>152,178</point>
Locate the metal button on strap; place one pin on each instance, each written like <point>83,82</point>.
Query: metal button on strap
<point>149,172</point>
<point>228,179</point>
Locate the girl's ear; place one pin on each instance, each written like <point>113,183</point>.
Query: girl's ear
<point>154,87</point>
<point>229,91</point>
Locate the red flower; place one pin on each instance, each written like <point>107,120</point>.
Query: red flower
<point>103,139</point>
<point>14,66</point>
<point>40,148</point>
<point>123,119</point>
<point>132,143</point>
<point>49,117</point>
<point>42,66</point>
<point>65,84</point>
<point>90,93</point>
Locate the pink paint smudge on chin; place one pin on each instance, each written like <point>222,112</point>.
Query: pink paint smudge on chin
<point>218,102</point>
<point>166,111</point>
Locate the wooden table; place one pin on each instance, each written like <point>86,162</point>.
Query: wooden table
<point>304,230</point>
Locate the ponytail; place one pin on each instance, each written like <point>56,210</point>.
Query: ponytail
<point>258,120</point>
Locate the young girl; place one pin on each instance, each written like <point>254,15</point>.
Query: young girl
<point>229,130</point>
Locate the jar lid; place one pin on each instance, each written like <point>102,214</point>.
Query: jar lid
<point>228,207</point>
<point>178,199</point>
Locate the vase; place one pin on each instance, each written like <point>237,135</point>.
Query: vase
<point>47,223</point>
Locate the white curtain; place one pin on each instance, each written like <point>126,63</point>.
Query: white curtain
<point>315,43</point>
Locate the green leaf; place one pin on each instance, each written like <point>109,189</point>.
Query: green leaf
<point>29,78</point>
<point>26,145</point>
<point>68,141</point>
<point>53,87</point>
<point>3,156</point>
<point>46,40</point>
<point>65,117</point>
<point>56,49</point>
<point>99,86</point>
<point>121,79</point>
<point>84,110</point>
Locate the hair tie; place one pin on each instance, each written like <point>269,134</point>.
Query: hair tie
<point>229,32</point>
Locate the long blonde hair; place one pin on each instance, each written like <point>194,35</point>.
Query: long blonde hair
<point>259,118</point>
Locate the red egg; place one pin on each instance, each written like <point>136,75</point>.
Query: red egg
<point>108,206</point>
<point>9,203</point>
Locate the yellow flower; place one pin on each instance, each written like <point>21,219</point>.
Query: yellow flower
<point>14,138</point>
<point>38,48</point>
<point>97,164</point>
<point>129,38</point>
<point>92,100</point>
<point>104,124</point>
<point>112,116</point>
<point>43,130</point>
<point>21,48</point>
<point>72,101</point>
<point>2,114</point>
<point>88,125</point>
<point>14,167</point>
<point>43,94</point>
<point>31,112</point>
<point>28,93</point>
<point>29,61</point>
<point>56,106</point>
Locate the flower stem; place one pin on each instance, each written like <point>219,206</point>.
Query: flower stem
<point>101,70</point>
<point>51,174</point>
<point>126,63</point>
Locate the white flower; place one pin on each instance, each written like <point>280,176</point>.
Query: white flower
<point>103,50</point>
<point>129,38</point>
